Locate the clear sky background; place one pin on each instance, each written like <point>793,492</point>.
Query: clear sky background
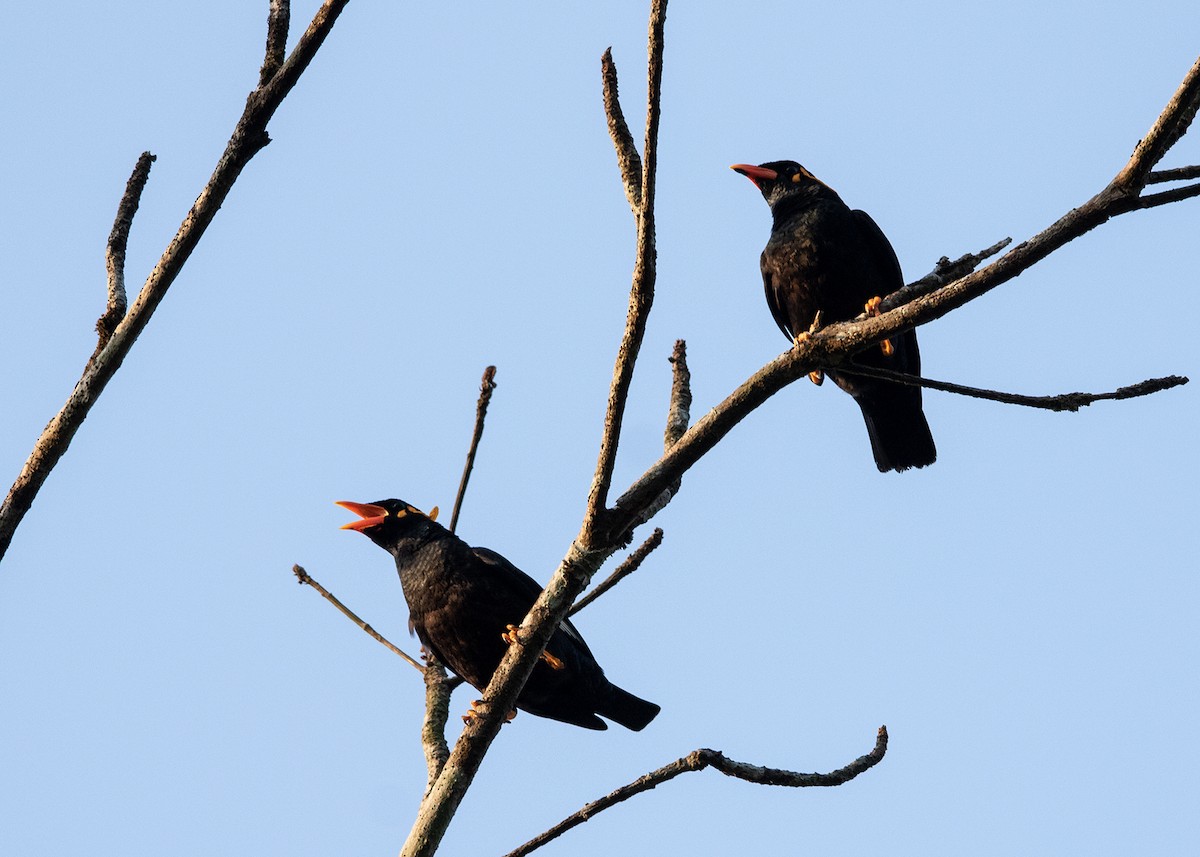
<point>441,194</point>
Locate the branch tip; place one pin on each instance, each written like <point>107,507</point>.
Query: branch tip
<point>114,253</point>
<point>279,17</point>
<point>486,386</point>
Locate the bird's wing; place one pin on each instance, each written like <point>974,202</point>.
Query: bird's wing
<point>526,587</point>
<point>773,304</point>
<point>883,256</point>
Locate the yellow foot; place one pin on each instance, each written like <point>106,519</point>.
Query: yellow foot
<point>474,711</point>
<point>872,310</point>
<point>510,636</point>
<point>816,375</point>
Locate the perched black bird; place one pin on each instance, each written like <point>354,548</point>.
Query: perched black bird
<point>823,257</point>
<point>464,601</point>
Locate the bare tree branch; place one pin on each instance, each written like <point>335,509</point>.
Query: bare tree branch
<point>627,567</point>
<point>628,159</point>
<point>641,295</point>
<point>437,711</point>
<point>943,272</point>
<point>114,255</point>
<point>679,413</point>
<point>698,760</point>
<point>279,17</point>
<point>1173,175</point>
<point>303,577</point>
<point>249,137</point>
<point>1167,130</point>
<point>487,385</point>
<point>1062,402</point>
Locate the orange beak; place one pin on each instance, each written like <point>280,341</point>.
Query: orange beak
<point>755,174</point>
<point>372,516</point>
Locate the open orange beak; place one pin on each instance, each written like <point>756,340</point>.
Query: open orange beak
<point>372,516</point>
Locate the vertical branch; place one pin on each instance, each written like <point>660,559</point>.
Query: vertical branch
<point>279,18</point>
<point>486,387</point>
<point>437,711</point>
<point>114,255</point>
<point>679,413</point>
<point>628,160</point>
<point>641,295</point>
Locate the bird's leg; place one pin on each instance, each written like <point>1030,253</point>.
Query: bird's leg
<point>510,637</point>
<point>872,309</point>
<point>816,375</point>
<point>474,711</point>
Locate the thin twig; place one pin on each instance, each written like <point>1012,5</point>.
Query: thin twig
<point>627,567</point>
<point>698,760</point>
<point>303,576</point>
<point>1175,174</point>
<point>1071,402</point>
<point>485,396</point>
<point>279,18</point>
<point>943,272</point>
<point>249,137</point>
<point>628,160</point>
<point>1153,200</point>
<point>114,255</point>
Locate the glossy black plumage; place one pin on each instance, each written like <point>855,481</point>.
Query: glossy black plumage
<point>824,256</point>
<point>461,600</point>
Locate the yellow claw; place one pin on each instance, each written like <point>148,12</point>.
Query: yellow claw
<point>872,310</point>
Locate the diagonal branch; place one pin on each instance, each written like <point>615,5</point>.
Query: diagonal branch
<point>698,760</point>
<point>486,386</point>
<point>249,137</point>
<point>304,577</point>
<point>627,567</point>
<point>1166,131</point>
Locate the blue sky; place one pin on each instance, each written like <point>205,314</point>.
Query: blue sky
<point>441,194</point>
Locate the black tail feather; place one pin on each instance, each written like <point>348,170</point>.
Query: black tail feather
<point>630,711</point>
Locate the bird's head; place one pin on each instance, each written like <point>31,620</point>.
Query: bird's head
<point>780,180</point>
<point>386,522</point>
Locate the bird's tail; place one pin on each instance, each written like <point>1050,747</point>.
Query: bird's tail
<point>899,432</point>
<point>630,711</point>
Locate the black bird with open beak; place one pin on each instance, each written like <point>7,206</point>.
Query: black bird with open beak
<point>824,257</point>
<point>464,602</point>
